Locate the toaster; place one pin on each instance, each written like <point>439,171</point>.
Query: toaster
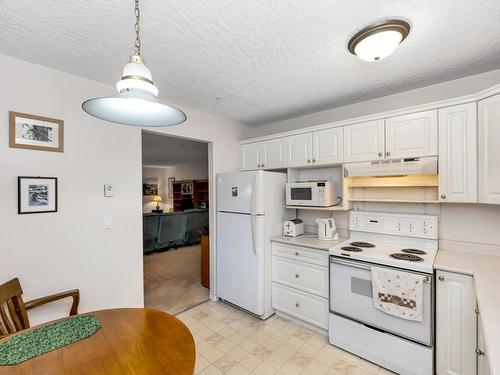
<point>293,228</point>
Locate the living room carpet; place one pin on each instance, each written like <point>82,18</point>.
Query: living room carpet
<point>172,280</point>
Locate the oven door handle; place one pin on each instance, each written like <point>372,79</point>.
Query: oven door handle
<point>426,279</point>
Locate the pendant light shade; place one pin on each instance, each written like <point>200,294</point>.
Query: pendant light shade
<point>136,103</point>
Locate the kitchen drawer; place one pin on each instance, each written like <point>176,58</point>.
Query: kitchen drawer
<point>305,254</point>
<point>307,307</point>
<point>304,276</point>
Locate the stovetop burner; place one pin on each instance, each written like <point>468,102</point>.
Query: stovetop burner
<point>414,251</point>
<point>351,248</point>
<point>408,257</point>
<point>362,244</point>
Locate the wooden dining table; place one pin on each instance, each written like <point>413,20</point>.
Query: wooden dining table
<point>130,341</point>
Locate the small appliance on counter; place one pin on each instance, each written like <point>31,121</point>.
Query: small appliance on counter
<point>327,230</point>
<point>293,228</point>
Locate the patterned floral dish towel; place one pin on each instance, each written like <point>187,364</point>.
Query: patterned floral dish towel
<point>398,293</point>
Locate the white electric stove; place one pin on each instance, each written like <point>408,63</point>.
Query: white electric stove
<point>405,243</point>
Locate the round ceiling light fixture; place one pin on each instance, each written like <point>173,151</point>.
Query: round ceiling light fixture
<point>378,41</point>
<point>136,103</point>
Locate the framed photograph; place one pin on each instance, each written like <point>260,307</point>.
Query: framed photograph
<point>150,186</point>
<point>35,132</point>
<point>36,195</point>
<point>171,187</point>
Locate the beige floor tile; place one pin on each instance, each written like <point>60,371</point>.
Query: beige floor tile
<point>264,369</point>
<point>215,339</point>
<point>213,355</point>
<point>290,368</point>
<point>226,346</point>
<point>211,370</point>
<point>237,338</point>
<point>248,345</point>
<point>238,370</point>
<point>201,364</point>
<point>250,362</point>
<point>225,363</point>
<point>315,368</point>
<point>203,347</point>
<point>238,354</point>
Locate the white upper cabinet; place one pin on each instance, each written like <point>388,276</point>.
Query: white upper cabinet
<point>299,150</point>
<point>456,319</point>
<point>411,135</point>
<point>458,153</point>
<point>328,146</point>
<point>273,154</point>
<point>250,156</point>
<point>489,150</point>
<point>364,142</point>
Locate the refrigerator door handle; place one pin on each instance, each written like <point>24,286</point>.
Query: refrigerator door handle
<point>254,196</point>
<point>254,245</point>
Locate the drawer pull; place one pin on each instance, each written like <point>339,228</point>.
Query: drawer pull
<point>441,278</point>
<point>296,275</point>
<point>297,304</point>
<point>297,253</point>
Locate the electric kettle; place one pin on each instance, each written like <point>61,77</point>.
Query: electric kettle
<point>327,229</point>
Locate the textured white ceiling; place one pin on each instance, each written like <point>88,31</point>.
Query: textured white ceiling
<point>256,61</point>
<point>162,150</point>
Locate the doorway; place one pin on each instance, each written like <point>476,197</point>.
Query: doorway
<point>175,199</point>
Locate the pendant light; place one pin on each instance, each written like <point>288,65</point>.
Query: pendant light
<point>136,103</point>
<point>378,41</point>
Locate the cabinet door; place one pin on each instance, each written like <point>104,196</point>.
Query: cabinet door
<point>489,150</point>
<point>273,154</point>
<point>411,135</point>
<point>364,142</point>
<point>458,153</point>
<point>456,330</point>
<point>250,156</point>
<point>327,146</point>
<point>299,150</point>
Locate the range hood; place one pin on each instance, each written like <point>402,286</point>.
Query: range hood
<point>393,167</point>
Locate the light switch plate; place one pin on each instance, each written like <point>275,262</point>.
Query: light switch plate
<point>108,190</point>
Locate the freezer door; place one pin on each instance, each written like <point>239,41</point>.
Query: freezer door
<point>240,192</point>
<point>240,260</point>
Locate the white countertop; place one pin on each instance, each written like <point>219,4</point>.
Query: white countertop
<point>308,240</point>
<point>486,272</point>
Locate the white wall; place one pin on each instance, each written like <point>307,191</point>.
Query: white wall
<point>70,248</point>
<point>180,172</point>
<point>447,90</point>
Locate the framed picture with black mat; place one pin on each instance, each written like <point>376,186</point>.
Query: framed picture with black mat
<point>36,195</point>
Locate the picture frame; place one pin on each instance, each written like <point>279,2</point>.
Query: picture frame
<point>150,186</point>
<point>35,132</point>
<point>36,195</point>
<point>170,187</point>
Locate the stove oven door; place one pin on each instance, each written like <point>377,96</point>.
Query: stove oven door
<point>351,297</point>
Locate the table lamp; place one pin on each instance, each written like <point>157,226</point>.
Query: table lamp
<point>157,199</point>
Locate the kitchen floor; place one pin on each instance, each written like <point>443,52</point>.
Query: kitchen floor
<point>172,280</point>
<point>229,341</point>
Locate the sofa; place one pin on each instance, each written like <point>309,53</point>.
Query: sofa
<point>173,229</point>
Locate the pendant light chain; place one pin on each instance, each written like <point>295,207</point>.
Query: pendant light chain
<point>137,28</point>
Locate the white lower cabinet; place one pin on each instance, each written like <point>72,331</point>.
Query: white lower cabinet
<point>456,324</point>
<point>300,283</point>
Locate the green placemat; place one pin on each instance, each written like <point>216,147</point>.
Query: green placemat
<point>47,338</point>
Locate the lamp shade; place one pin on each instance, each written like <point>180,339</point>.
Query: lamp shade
<point>134,107</point>
<point>157,198</point>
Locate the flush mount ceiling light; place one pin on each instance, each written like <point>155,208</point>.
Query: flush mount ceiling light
<point>378,41</point>
<point>136,103</point>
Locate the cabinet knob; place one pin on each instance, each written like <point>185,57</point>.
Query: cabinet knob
<point>308,160</point>
<point>441,278</point>
<point>443,196</point>
<point>297,304</point>
<point>380,154</point>
<point>297,253</point>
<point>296,275</point>
<point>479,352</point>
<point>314,160</point>
<point>262,165</point>
<point>388,153</point>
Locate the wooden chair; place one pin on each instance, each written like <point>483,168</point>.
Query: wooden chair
<point>15,317</point>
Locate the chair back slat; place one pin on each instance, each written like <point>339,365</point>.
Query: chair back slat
<point>13,316</point>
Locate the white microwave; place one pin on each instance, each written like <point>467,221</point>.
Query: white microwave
<point>312,193</point>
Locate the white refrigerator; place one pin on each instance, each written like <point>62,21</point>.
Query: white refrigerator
<point>250,210</point>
